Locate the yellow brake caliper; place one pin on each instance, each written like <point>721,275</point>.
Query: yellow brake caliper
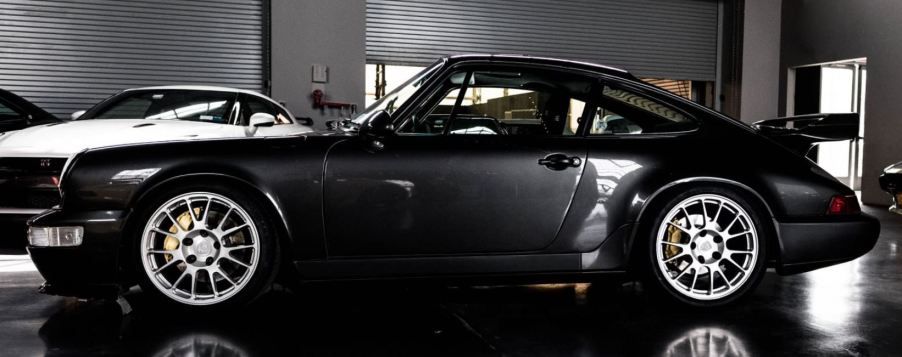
<point>674,235</point>
<point>171,242</point>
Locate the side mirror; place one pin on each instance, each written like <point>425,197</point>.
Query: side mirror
<point>77,115</point>
<point>380,124</point>
<point>262,119</point>
<point>305,121</point>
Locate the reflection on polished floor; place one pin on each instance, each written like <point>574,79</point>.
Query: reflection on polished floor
<point>850,309</point>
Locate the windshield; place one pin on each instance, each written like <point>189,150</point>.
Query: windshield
<point>394,100</point>
<point>191,105</point>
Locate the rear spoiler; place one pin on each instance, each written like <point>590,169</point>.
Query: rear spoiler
<point>800,133</point>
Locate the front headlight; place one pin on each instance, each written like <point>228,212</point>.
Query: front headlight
<point>55,236</point>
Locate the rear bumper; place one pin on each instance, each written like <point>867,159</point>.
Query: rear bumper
<point>806,246</point>
<point>89,270</point>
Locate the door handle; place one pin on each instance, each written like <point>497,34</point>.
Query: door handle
<point>560,161</point>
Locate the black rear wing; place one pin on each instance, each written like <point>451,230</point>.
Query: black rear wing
<point>800,133</point>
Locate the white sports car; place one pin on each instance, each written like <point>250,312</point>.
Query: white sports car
<point>31,159</point>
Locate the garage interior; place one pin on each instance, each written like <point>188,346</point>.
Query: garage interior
<point>750,59</point>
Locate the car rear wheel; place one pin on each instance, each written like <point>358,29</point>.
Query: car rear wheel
<point>201,248</point>
<point>708,248</point>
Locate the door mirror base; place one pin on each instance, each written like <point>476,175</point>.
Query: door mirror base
<point>379,125</point>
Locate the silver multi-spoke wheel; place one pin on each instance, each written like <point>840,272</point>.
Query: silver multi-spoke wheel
<point>200,248</point>
<point>707,247</point>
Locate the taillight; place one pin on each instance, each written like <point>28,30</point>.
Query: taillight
<point>55,180</point>
<point>844,205</point>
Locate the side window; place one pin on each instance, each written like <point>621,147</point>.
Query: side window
<point>8,113</point>
<point>624,112</point>
<point>505,102</point>
<point>254,104</point>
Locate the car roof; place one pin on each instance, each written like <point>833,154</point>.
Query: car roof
<point>199,88</point>
<point>527,59</point>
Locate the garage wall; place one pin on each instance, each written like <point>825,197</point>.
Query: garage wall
<point>761,60</point>
<point>66,56</point>
<point>326,32</point>
<point>816,31</point>
<point>674,39</point>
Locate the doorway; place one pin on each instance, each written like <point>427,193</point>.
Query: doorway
<point>834,87</point>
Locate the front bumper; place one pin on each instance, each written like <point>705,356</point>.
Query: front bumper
<point>91,269</point>
<point>805,246</point>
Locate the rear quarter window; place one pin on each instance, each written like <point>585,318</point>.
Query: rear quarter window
<point>625,112</point>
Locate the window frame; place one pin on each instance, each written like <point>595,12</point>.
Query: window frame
<point>430,92</point>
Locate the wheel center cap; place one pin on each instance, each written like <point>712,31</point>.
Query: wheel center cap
<point>204,247</point>
<point>707,247</point>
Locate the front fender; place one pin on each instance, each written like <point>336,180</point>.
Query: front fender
<point>285,174</point>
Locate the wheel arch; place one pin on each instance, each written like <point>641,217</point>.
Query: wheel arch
<point>266,199</point>
<point>662,195</point>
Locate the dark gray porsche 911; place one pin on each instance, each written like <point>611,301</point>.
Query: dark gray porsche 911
<point>575,170</point>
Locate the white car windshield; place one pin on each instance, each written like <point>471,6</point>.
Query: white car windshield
<point>191,105</point>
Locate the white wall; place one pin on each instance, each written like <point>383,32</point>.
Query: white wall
<point>816,31</point>
<point>326,32</point>
<point>760,60</point>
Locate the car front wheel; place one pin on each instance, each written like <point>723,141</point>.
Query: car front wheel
<point>201,248</point>
<point>708,248</point>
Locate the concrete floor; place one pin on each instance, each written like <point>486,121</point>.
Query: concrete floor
<point>851,309</point>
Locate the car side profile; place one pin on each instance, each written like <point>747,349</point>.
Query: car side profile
<point>588,171</point>
<point>32,159</point>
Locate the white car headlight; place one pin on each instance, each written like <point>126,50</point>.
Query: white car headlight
<point>55,236</point>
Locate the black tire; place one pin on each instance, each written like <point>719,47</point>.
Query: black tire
<point>268,264</point>
<point>653,266</point>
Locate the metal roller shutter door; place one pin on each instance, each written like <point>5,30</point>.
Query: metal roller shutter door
<point>675,39</point>
<point>66,56</point>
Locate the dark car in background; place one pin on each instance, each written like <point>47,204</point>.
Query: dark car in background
<point>18,113</point>
<point>891,182</point>
<point>599,173</point>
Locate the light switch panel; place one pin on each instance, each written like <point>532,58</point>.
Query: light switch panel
<point>320,73</point>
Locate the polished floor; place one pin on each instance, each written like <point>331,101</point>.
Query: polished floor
<point>853,309</point>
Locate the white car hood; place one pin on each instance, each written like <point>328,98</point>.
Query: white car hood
<point>68,138</point>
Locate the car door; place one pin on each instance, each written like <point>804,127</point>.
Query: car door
<point>484,165</point>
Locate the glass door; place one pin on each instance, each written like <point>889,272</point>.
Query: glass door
<point>843,91</point>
